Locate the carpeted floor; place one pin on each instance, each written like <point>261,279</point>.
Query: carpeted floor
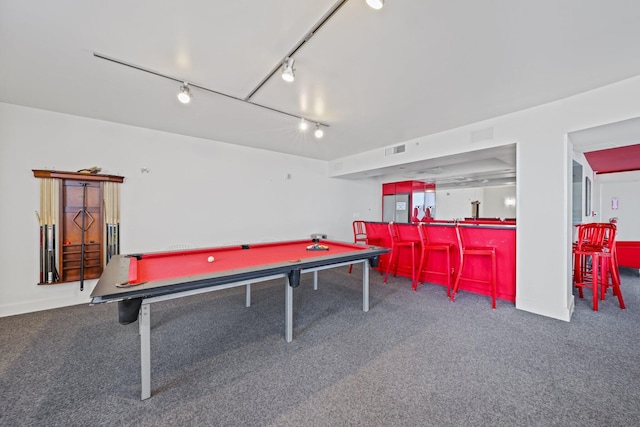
<point>415,359</point>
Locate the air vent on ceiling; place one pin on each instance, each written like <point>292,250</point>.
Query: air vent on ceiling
<point>482,134</point>
<point>394,150</point>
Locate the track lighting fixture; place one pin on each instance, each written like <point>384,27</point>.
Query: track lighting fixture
<point>375,4</point>
<point>184,95</point>
<point>287,70</point>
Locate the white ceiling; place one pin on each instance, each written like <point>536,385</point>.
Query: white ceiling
<point>377,78</point>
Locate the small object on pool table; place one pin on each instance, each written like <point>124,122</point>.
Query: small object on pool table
<point>210,259</point>
<point>128,284</point>
<point>317,247</point>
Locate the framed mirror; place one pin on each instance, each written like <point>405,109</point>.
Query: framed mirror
<point>587,196</point>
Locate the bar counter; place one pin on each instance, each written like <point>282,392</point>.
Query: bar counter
<point>501,235</point>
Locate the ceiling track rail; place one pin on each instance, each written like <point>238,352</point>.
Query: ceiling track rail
<point>298,45</point>
<point>204,88</point>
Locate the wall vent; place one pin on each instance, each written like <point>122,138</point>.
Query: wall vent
<point>482,135</point>
<point>394,150</point>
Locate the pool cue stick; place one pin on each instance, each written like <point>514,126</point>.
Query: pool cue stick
<point>44,231</point>
<point>117,212</point>
<point>50,232</point>
<point>82,234</point>
<point>108,218</point>
<point>54,209</point>
<point>117,217</point>
<point>40,226</point>
<point>107,228</point>
<point>116,221</point>
<point>47,258</point>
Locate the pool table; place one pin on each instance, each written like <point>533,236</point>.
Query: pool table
<point>136,281</point>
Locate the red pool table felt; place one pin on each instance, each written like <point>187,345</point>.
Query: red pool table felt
<point>168,265</point>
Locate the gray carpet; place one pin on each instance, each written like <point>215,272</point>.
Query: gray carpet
<point>414,360</point>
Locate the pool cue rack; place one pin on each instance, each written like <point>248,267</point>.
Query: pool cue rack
<point>83,236</point>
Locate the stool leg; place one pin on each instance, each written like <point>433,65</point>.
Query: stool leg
<point>615,280</point>
<point>414,285</point>
<point>456,284</point>
<point>595,259</point>
<point>494,285</point>
<point>386,276</point>
<point>448,272</point>
<point>423,253</point>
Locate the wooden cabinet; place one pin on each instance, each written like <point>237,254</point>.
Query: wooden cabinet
<point>80,235</point>
<point>81,209</point>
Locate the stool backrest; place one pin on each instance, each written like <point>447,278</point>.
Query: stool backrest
<point>393,233</point>
<point>460,242</point>
<point>422,232</point>
<point>359,231</point>
<point>596,236</point>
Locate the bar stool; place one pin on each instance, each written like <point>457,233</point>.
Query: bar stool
<point>603,271</point>
<point>396,245</point>
<point>589,236</point>
<point>467,251</point>
<point>359,235</point>
<point>427,247</point>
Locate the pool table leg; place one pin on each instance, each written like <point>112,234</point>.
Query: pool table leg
<point>365,285</point>
<point>315,280</point>
<point>288,311</point>
<point>248,295</point>
<point>145,350</point>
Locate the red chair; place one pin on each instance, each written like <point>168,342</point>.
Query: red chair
<point>596,243</point>
<point>427,248</point>
<point>469,251</point>
<point>359,235</point>
<point>397,244</point>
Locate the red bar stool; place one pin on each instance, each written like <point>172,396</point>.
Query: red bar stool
<point>396,245</point>
<point>603,272</point>
<point>589,236</point>
<point>427,247</point>
<point>359,235</point>
<point>468,251</point>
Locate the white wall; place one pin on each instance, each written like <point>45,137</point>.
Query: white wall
<point>543,160</point>
<point>197,192</point>
<point>494,204</point>
<point>625,187</point>
<point>456,203</point>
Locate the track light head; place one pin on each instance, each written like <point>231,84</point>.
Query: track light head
<point>303,125</point>
<point>287,70</point>
<point>184,95</point>
<point>319,132</point>
<point>375,4</point>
